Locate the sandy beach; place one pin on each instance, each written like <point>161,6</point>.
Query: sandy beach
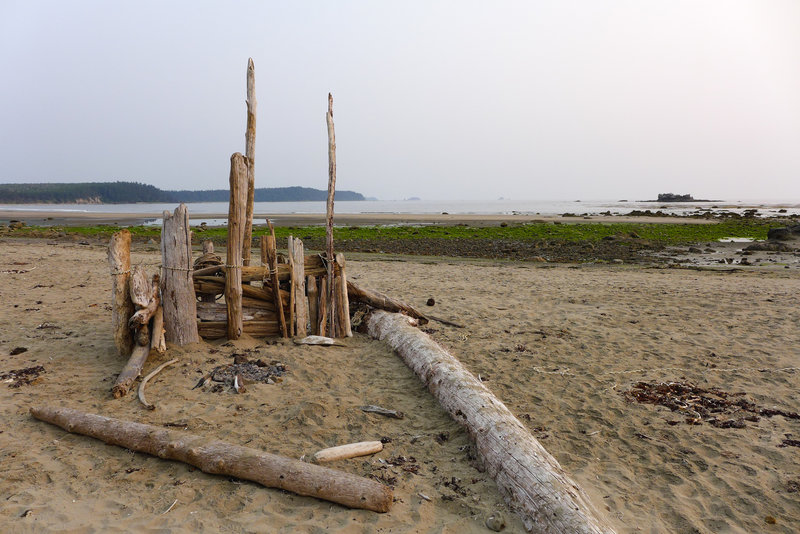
<point>559,344</point>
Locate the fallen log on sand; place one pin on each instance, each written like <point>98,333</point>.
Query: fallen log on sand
<point>221,458</point>
<point>382,302</point>
<point>532,480</point>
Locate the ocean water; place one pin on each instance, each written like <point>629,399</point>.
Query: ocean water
<point>202,210</point>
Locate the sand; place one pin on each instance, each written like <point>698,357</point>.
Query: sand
<point>557,343</point>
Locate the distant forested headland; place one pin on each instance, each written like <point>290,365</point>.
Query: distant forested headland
<point>132,192</point>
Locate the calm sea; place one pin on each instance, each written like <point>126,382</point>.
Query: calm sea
<point>202,210</point>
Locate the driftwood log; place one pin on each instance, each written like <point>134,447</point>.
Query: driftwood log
<point>297,261</point>
<point>157,341</point>
<point>343,452</point>
<point>180,312</point>
<point>119,260</point>
<point>532,480</point>
<point>146,297</point>
<point>221,458</point>
<point>382,302</point>
<point>272,268</point>
<point>313,305</point>
<point>342,301</point>
<point>236,226</point>
<point>250,155</point>
<point>131,371</point>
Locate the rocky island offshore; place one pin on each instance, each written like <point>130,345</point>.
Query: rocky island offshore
<point>672,197</point>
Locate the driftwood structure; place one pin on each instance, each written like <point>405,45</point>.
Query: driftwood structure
<point>532,480</point>
<point>236,234</point>
<point>221,458</point>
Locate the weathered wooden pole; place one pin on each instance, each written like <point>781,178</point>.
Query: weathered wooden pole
<point>250,154</point>
<point>299,288</point>
<point>177,285</point>
<point>329,211</point>
<point>119,260</point>
<point>221,458</point>
<point>342,301</point>
<point>236,223</point>
<point>532,480</point>
<point>272,266</point>
<point>313,305</point>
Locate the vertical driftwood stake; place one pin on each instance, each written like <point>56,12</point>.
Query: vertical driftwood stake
<point>119,260</point>
<point>299,288</point>
<point>177,287</point>
<point>329,210</point>
<point>236,223</point>
<point>323,305</point>
<point>313,304</point>
<point>272,264</point>
<point>250,153</point>
<point>342,302</point>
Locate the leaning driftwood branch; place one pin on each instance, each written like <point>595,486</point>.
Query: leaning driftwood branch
<point>131,371</point>
<point>250,154</point>
<point>221,458</point>
<point>146,379</point>
<point>382,302</point>
<point>533,481</point>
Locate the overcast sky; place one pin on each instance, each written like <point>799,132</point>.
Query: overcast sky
<point>580,99</point>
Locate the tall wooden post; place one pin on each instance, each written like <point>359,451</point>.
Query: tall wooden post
<point>272,265</point>
<point>342,301</point>
<point>299,288</point>
<point>177,286</point>
<point>236,225</point>
<point>119,260</point>
<point>329,208</point>
<point>250,153</point>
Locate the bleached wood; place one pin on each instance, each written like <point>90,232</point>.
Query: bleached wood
<point>146,297</point>
<point>145,380</point>
<point>177,287</point>
<point>300,300</point>
<point>343,452</point>
<point>255,328</point>
<point>323,306</point>
<point>222,458</point>
<point>157,341</point>
<point>532,481</point>
<point>131,371</point>
<point>314,266</point>
<point>342,301</point>
<point>272,268</point>
<point>119,261</point>
<point>250,155</point>
<point>236,222</point>
<point>331,305</point>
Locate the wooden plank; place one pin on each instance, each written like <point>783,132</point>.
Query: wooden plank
<point>323,306</point>
<point>180,312</point>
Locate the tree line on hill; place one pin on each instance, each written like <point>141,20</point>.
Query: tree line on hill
<point>132,192</point>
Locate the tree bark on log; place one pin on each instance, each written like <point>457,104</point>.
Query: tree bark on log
<point>221,458</point>
<point>329,216</point>
<point>342,301</point>
<point>236,224</point>
<point>177,287</point>
<point>532,480</point>
<point>119,260</point>
<point>382,302</point>
<point>131,371</point>
<point>250,154</point>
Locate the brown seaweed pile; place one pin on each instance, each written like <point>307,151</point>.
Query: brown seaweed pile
<point>22,377</point>
<point>713,406</point>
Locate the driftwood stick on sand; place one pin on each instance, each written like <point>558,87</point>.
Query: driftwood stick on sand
<point>222,458</point>
<point>382,302</point>
<point>343,452</point>
<point>119,260</point>
<point>180,310</point>
<point>532,480</point>
<point>250,155</point>
<point>146,379</point>
<point>236,224</point>
<point>331,292</point>
<point>131,371</point>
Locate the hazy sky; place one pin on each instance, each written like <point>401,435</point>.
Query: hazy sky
<point>581,99</point>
